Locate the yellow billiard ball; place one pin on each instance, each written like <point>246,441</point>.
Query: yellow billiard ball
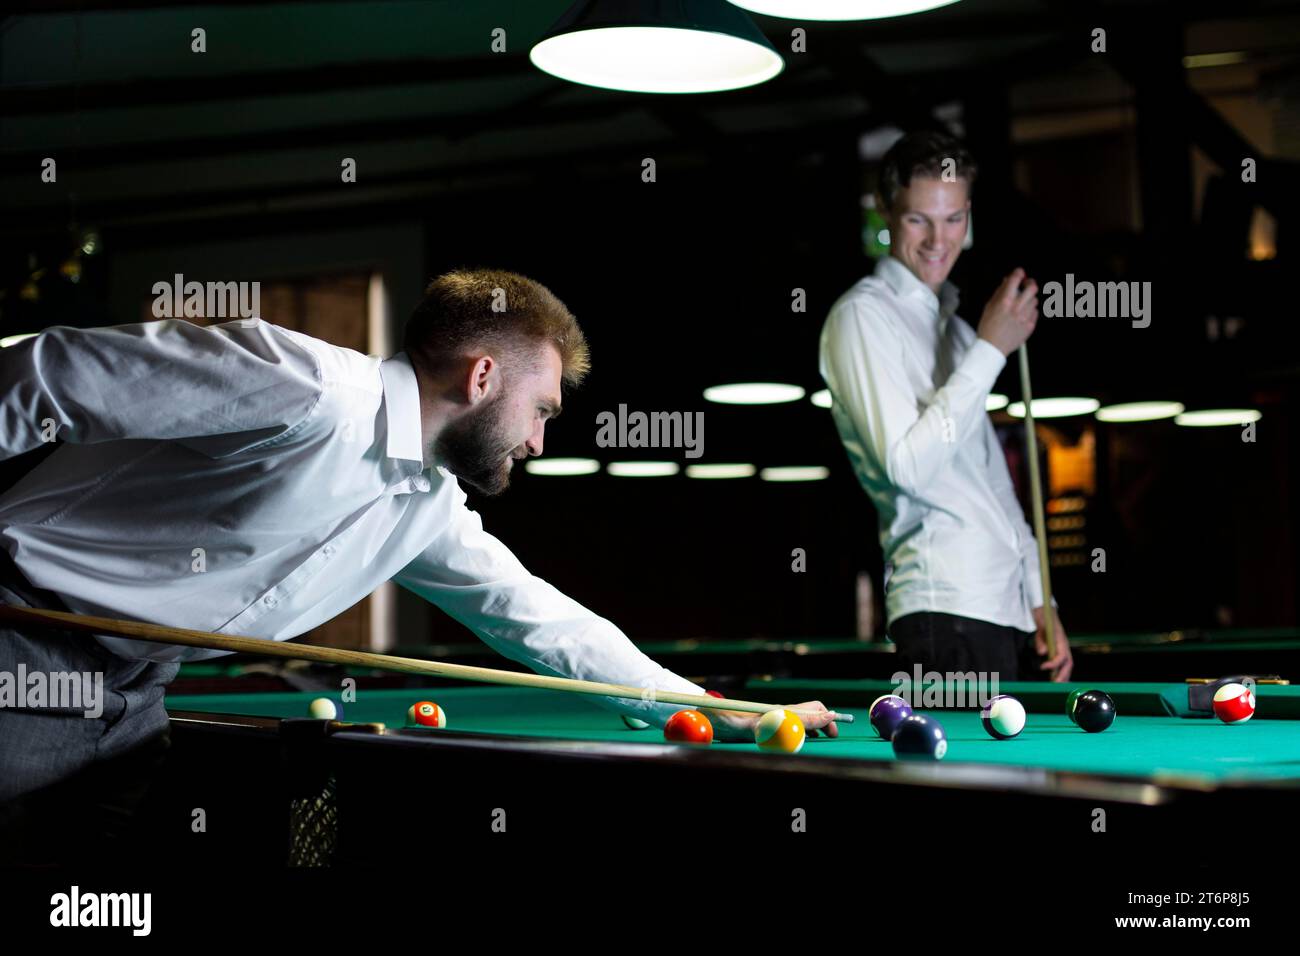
<point>779,730</point>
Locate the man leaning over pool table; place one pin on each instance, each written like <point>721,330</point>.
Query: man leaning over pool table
<point>305,475</point>
<point>909,380</point>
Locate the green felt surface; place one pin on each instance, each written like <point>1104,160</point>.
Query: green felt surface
<point>1147,746</point>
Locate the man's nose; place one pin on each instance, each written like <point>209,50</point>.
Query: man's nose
<point>534,443</point>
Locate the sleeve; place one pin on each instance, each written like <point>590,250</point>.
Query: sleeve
<point>475,578</point>
<point>169,379</point>
<point>861,361</point>
<point>1000,481</point>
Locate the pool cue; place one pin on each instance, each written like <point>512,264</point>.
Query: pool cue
<point>159,634</point>
<point>1036,493</point>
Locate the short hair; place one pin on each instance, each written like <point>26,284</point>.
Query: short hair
<point>476,308</point>
<point>923,153</point>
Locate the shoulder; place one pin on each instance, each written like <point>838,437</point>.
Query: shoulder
<point>866,309</point>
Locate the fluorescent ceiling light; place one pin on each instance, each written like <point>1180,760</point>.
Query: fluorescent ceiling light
<point>795,473</point>
<point>753,393</point>
<point>994,401</point>
<point>1139,411</point>
<point>1055,407</point>
<point>822,399</point>
<point>840,9</point>
<point>720,471</point>
<point>657,46</point>
<point>1211,417</point>
<point>642,469</point>
<point>562,466</point>
<point>9,340</point>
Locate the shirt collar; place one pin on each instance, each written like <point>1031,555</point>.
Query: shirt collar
<point>402,408</point>
<point>903,282</point>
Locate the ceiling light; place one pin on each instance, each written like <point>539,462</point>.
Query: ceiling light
<point>840,9</point>
<point>1055,407</point>
<point>720,471</point>
<point>1138,411</point>
<point>642,469</point>
<point>562,466</point>
<point>657,46</point>
<point>795,473</point>
<point>1212,417</point>
<point>753,393</point>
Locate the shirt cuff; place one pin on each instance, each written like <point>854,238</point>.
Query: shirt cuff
<point>983,363</point>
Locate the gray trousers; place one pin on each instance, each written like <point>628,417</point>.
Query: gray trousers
<point>64,776</point>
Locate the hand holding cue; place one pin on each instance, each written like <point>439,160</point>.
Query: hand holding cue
<point>1036,495</point>
<point>159,634</point>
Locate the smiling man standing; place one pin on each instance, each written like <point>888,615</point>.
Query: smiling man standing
<point>909,380</point>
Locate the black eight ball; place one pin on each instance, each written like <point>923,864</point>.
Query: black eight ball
<point>1094,711</point>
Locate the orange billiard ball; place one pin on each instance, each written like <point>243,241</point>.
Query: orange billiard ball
<point>688,727</point>
<point>426,713</point>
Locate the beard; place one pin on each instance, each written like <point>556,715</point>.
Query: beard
<point>477,450</point>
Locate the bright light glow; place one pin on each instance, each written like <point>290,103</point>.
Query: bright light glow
<point>994,401</point>
<point>1213,59</point>
<point>720,471</point>
<point>822,399</point>
<point>1055,407</point>
<point>642,469</point>
<point>9,340</point>
<point>795,473</point>
<point>753,393</point>
<point>1212,417</point>
<point>1139,411</point>
<point>840,9</point>
<point>562,466</point>
<point>656,60</point>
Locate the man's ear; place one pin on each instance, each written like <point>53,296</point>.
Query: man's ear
<point>482,379</point>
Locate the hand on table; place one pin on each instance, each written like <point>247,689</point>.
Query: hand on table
<point>1063,663</point>
<point>737,726</point>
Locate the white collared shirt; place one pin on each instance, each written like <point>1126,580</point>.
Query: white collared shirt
<point>248,479</point>
<point>908,381</point>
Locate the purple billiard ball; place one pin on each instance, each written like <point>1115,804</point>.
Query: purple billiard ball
<point>887,713</point>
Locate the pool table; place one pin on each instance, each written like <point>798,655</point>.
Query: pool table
<point>556,767</point>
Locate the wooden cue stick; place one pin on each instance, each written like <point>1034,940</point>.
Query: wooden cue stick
<point>1036,493</point>
<point>160,634</point>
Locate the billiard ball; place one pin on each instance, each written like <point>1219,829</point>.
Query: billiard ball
<point>780,731</point>
<point>1094,711</point>
<point>1003,717</point>
<point>1071,701</point>
<point>714,693</point>
<point>920,737</point>
<point>887,713</point>
<point>634,722</point>
<point>688,727</point>
<point>322,708</point>
<point>425,713</point>
<point>1234,703</point>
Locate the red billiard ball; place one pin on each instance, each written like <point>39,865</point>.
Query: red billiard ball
<point>714,693</point>
<point>1234,703</point>
<point>688,727</point>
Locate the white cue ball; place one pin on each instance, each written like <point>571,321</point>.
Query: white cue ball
<point>322,708</point>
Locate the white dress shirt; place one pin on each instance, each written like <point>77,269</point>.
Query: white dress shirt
<point>908,381</point>
<point>248,479</point>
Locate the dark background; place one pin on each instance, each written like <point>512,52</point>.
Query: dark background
<point>1120,165</point>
